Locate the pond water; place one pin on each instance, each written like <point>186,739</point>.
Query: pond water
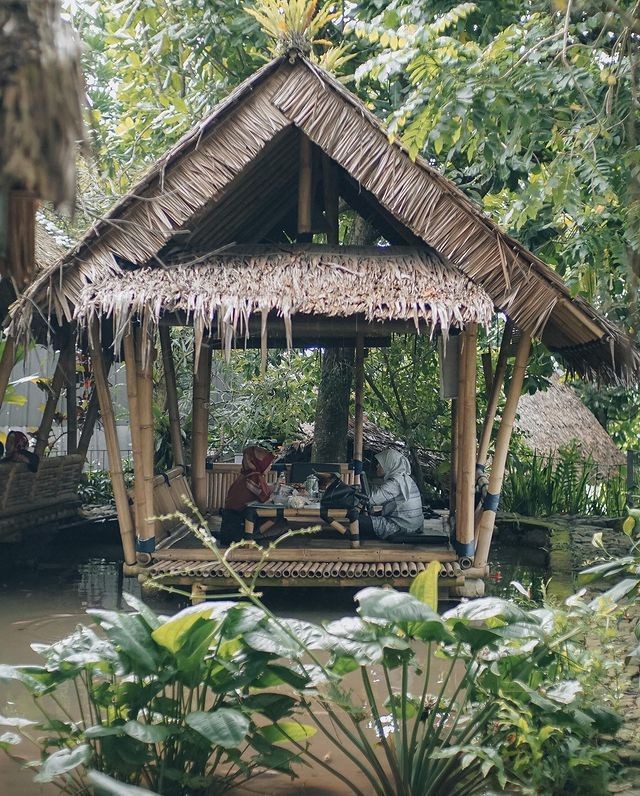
<point>45,589</point>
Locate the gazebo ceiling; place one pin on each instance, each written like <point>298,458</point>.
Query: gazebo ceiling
<point>234,179</point>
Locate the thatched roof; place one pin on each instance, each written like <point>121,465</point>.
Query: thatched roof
<point>556,418</point>
<point>234,177</point>
<point>376,283</point>
<point>41,97</point>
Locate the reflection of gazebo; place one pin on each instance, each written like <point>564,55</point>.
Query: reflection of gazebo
<point>204,240</point>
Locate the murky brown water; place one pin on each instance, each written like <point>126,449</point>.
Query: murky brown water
<point>44,591</point>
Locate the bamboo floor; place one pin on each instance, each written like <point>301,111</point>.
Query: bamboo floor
<point>314,562</point>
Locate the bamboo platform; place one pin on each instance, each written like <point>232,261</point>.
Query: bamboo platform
<point>317,563</point>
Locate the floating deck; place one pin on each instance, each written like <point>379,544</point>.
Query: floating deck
<point>316,563</point>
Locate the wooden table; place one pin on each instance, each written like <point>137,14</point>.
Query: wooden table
<point>345,521</point>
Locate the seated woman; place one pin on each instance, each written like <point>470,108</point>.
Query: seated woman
<point>399,497</point>
<point>17,450</point>
<point>249,486</point>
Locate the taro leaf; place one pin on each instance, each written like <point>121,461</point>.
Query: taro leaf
<point>424,586</point>
<point>241,619</point>
<point>617,592</point>
<point>475,637</point>
<point>605,720</point>
<point>105,786</point>
<point>142,608</point>
<point>171,633</point>
<point>83,648</point>
<point>103,731</point>
<point>628,525</point>
<point>130,633</point>
<point>273,706</point>
<point>148,733</point>
<point>274,758</point>
<point>286,637</point>
<point>62,761</point>
<point>15,721</point>
<point>343,664</point>
<point>605,570</point>
<point>488,608</point>
<point>192,653</point>
<point>35,678</point>
<point>415,618</point>
<point>285,731</point>
<point>223,727</point>
<point>565,692</point>
<point>276,674</point>
<point>364,641</point>
<point>8,739</point>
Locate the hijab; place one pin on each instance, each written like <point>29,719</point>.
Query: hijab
<point>256,459</point>
<point>396,468</point>
<point>16,442</point>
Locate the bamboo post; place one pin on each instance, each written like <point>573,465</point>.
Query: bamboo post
<point>460,421</point>
<point>494,398</point>
<point>113,446</point>
<point>358,413</point>
<point>71,393</point>
<point>144,353</point>
<point>134,425</point>
<point>200,424</point>
<point>177,448</point>
<point>467,444</point>
<point>305,185</point>
<point>487,522</point>
<point>453,474</point>
<point>6,365</point>
<point>55,388</point>
<point>330,194</point>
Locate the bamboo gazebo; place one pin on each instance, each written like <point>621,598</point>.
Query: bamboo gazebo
<point>204,240</point>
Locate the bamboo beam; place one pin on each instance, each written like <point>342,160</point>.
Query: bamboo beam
<point>71,392</point>
<point>113,446</point>
<point>93,410</point>
<point>55,388</point>
<point>335,554</point>
<point>134,425</point>
<point>358,413</point>
<point>200,425</point>
<point>144,353</point>
<point>177,449</point>
<point>305,185</point>
<point>487,522</point>
<point>7,362</point>
<point>330,195</point>
<point>494,398</point>
<point>467,443</point>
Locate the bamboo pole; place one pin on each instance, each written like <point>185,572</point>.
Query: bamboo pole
<point>460,418</point>
<point>6,365</point>
<point>467,443</point>
<point>55,388</point>
<point>113,446</point>
<point>305,185</point>
<point>177,448</point>
<point>487,522</point>
<point>494,398</point>
<point>144,369</point>
<point>453,474</point>
<point>358,413</point>
<point>134,425</point>
<point>330,194</point>
<point>71,393</point>
<point>200,425</point>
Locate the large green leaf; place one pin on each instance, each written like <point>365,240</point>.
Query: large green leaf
<point>273,706</point>
<point>412,615</point>
<point>142,608</point>
<point>607,569</point>
<point>171,633</point>
<point>286,731</point>
<point>62,761</point>
<point>223,727</point>
<point>106,786</point>
<point>149,733</point>
<point>132,636</point>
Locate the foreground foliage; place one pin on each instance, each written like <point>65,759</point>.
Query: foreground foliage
<point>418,703</point>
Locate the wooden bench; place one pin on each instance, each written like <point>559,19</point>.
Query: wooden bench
<point>34,499</point>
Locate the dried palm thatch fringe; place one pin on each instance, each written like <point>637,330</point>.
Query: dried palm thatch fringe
<point>181,189</point>
<point>224,290</point>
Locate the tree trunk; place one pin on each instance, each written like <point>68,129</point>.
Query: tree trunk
<point>332,407</point>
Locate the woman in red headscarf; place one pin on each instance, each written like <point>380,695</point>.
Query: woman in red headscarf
<point>251,485</point>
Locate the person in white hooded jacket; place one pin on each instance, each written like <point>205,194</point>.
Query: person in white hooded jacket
<point>399,497</point>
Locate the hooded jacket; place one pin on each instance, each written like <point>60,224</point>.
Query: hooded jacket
<point>398,495</point>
